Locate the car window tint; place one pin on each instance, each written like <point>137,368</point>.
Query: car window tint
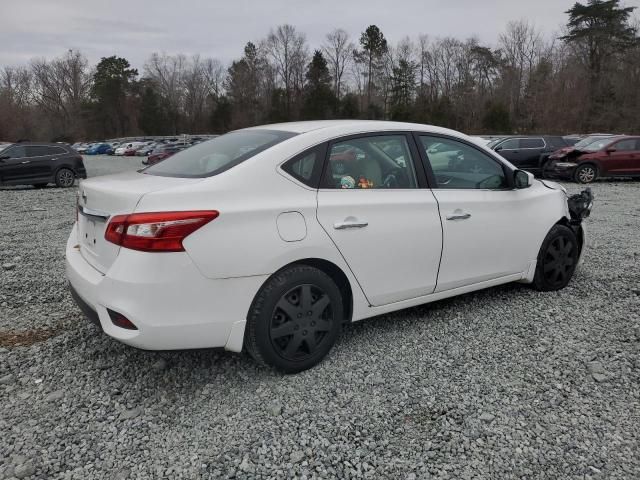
<point>531,143</point>
<point>510,144</point>
<point>37,150</point>
<point>19,151</point>
<point>463,166</point>
<point>379,162</point>
<point>625,145</point>
<point>302,167</point>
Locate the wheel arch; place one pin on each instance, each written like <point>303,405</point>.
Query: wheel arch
<point>331,269</point>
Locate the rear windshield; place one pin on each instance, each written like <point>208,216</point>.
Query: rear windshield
<point>219,154</point>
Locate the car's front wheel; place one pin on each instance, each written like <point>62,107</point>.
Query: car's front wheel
<point>557,259</point>
<point>295,319</point>
<point>586,173</point>
<point>65,178</point>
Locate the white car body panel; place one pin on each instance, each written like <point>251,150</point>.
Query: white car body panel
<point>408,254</point>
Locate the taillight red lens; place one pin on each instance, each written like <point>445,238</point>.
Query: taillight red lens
<point>156,231</point>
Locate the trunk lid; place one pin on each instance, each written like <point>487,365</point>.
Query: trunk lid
<point>100,198</point>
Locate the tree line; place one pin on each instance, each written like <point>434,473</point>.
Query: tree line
<point>584,80</point>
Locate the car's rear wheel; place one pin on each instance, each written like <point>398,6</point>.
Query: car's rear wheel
<point>557,259</point>
<point>39,185</point>
<point>295,319</point>
<point>65,178</point>
<point>586,173</point>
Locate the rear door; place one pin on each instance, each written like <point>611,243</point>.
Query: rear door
<point>42,160</point>
<point>374,205</point>
<point>530,151</point>
<point>13,169</point>
<point>623,159</point>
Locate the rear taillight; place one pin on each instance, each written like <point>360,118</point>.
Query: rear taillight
<point>156,231</point>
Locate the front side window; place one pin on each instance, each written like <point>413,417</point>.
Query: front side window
<point>462,166</point>
<point>511,144</point>
<point>378,162</point>
<point>219,154</point>
<point>19,151</point>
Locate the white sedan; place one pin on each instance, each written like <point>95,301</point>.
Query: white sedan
<point>270,238</point>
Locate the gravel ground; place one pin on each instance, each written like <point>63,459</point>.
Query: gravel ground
<point>503,383</point>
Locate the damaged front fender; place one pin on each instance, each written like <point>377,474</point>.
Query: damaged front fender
<point>580,205</point>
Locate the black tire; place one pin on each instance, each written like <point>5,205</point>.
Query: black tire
<point>65,178</point>
<point>39,185</point>
<point>585,173</point>
<point>284,334</point>
<point>557,259</point>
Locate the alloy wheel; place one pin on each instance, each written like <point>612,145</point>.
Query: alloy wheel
<point>300,322</point>
<point>587,174</point>
<point>66,178</point>
<point>559,260</point>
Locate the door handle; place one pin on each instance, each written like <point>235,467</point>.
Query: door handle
<point>26,161</point>
<point>350,224</point>
<point>459,216</point>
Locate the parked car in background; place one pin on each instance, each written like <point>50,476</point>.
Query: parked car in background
<point>583,142</point>
<point>83,147</point>
<point>38,164</point>
<point>98,149</point>
<point>527,152</point>
<point>162,152</point>
<point>617,156</point>
<point>271,238</point>
<point>123,147</point>
<point>145,150</point>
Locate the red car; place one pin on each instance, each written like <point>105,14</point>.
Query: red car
<point>606,157</point>
<point>161,153</point>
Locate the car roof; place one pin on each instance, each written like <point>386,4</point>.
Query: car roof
<point>362,125</point>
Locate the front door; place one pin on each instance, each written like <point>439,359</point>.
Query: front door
<point>13,165</point>
<point>382,219</point>
<point>490,230</point>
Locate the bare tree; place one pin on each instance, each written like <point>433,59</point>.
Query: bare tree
<point>287,50</point>
<point>167,73</point>
<point>338,50</point>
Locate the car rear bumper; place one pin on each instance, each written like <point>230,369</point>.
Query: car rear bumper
<point>165,296</point>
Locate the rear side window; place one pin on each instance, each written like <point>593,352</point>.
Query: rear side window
<point>55,151</point>
<point>556,142</point>
<point>625,145</point>
<point>531,143</point>
<point>219,154</point>
<point>306,166</point>
<point>37,150</point>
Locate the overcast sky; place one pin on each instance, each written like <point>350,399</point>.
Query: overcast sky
<point>134,29</point>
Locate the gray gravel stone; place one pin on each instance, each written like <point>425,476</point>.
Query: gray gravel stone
<point>7,379</point>
<point>8,266</point>
<point>160,364</point>
<point>25,470</point>
<point>55,396</point>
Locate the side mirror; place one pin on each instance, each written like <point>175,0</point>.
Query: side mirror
<point>4,157</point>
<point>497,149</point>
<point>611,149</point>
<point>521,179</point>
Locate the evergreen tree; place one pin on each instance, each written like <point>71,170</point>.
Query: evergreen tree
<point>319,99</point>
<point>113,82</point>
<point>374,46</point>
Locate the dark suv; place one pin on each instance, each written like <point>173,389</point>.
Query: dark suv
<point>38,164</point>
<point>528,152</point>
